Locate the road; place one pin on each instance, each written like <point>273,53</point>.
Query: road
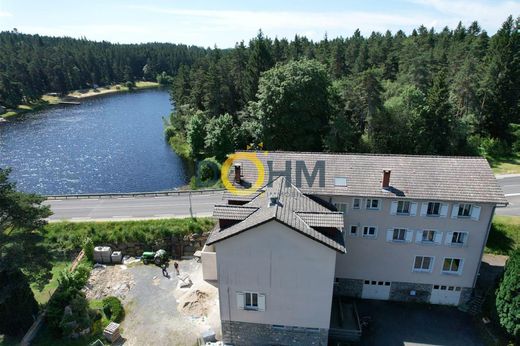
<point>133,208</point>
<point>511,187</point>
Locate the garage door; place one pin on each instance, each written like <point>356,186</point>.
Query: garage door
<point>447,295</point>
<point>376,290</point>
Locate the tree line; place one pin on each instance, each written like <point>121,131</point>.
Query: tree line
<point>451,92</point>
<point>32,65</point>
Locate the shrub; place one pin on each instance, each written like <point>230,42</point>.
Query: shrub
<point>88,249</point>
<point>494,148</point>
<point>508,296</point>
<point>169,132</point>
<point>113,309</point>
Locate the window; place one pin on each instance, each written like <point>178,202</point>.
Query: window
<point>372,204</point>
<point>403,207</point>
<point>399,234</point>
<point>434,209</point>
<point>452,266</point>
<point>464,210</point>
<point>341,207</point>
<point>422,264</point>
<point>356,204</point>
<point>340,181</point>
<point>251,301</point>
<point>369,231</point>
<point>428,236</point>
<point>353,230</point>
<point>459,238</point>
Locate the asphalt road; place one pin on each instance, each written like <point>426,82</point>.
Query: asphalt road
<point>128,208</point>
<point>511,187</point>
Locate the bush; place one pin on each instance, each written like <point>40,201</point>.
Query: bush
<point>494,148</point>
<point>113,309</point>
<point>88,249</point>
<point>69,237</point>
<point>169,132</point>
<point>508,296</point>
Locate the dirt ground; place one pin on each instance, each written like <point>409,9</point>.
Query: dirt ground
<point>158,311</point>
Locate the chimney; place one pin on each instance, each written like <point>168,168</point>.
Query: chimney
<point>273,200</point>
<point>238,177</point>
<point>385,184</point>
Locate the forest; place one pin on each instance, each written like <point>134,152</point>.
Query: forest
<point>32,65</point>
<point>453,92</point>
<point>449,92</point>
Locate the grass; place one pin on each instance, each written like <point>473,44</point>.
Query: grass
<point>44,295</point>
<point>504,236</point>
<point>505,165</point>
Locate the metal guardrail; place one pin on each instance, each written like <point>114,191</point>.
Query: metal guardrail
<point>135,194</point>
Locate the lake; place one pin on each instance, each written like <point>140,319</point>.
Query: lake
<point>111,143</point>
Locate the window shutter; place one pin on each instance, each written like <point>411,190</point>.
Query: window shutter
<point>261,302</point>
<point>438,237</point>
<point>449,237</point>
<point>466,235</point>
<point>444,210</point>
<point>409,236</point>
<point>393,208</point>
<point>241,298</point>
<point>475,212</point>
<point>424,208</point>
<point>418,237</point>
<point>413,209</point>
<point>389,235</point>
<point>455,211</point>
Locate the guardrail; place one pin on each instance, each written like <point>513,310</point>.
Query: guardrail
<point>135,194</point>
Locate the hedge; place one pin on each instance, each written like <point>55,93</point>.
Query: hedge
<point>69,237</point>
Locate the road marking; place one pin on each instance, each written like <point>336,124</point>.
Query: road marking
<point>81,218</point>
<point>165,215</point>
<point>122,217</point>
<point>512,194</point>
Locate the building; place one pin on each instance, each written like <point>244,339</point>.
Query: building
<point>391,227</point>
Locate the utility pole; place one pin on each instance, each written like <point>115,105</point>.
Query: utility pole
<point>191,209</point>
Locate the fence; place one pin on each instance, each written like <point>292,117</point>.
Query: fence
<point>136,194</point>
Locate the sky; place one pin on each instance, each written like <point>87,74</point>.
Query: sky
<point>223,23</point>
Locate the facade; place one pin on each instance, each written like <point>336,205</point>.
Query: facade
<point>412,228</point>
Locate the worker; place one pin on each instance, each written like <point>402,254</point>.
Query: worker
<point>176,265</point>
<point>164,271</point>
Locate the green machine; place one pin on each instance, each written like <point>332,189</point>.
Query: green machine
<point>158,257</point>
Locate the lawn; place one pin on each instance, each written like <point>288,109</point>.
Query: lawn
<point>506,165</point>
<point>504,236</point>
<point>43,296</point>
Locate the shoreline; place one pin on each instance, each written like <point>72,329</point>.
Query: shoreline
<point>48,100</point>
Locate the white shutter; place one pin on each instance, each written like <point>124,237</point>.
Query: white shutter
<point>438,237</point>
<point>413,209</point>
<point>409,236</point>
<point>241,298</point>
<point>475,212</point>
<point>424,208</point>
<point>466,235</point>
<point>261,302</point>
<point>418,237</point>
<point>449,237</point>
<point>393,208</point>
<point>444,210</point>
<point>389,235</point>
<point>455,211</point>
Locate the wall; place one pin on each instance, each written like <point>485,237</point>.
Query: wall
<point>295,273</point>
<point>209,263</point>
<point>377,259</point>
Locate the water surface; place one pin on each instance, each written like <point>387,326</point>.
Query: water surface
<point>112,143</point>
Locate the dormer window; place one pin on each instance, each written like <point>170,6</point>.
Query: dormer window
<point>340,181</point>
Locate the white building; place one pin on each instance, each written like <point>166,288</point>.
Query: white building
<point>409,228</point>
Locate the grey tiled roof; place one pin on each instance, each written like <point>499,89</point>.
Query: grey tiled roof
<point>465,179</point>
<point>320,219</point>
<point>291,202</point>
<point>232,212</point>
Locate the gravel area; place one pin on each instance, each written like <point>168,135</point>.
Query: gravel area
<point>158,312</point>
